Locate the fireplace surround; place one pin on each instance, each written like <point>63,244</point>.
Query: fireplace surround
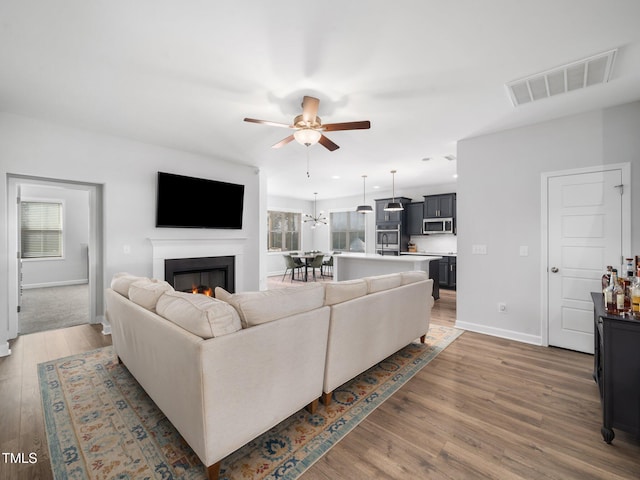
<point>172,248</point>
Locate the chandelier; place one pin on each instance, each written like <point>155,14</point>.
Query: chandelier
<point>317,219</point>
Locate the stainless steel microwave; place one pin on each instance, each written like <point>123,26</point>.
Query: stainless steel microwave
<point>437,225</point>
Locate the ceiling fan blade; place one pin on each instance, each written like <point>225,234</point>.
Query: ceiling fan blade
<point>267,122</point>
<point>328,144</point>
<point>333,127</point>
<point>283,142</point>
<point>309,109</point>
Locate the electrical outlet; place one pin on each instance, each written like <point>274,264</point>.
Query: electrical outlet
<point>502,307</point>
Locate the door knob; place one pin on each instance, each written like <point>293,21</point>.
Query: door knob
<point>554,269</point>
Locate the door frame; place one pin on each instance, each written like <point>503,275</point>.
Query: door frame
<point>625,169</point>
<point>96,255</point>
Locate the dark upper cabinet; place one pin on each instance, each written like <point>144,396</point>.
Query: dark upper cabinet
<point>415,214</point>
<point>440,206</point>
<point>388,218</point>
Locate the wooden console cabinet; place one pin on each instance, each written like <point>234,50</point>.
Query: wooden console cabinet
<point>616,370</point>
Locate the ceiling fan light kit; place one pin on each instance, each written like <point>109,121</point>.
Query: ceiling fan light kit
<point>364,208</point>
<point>393,206</point>
<point>307,136</point>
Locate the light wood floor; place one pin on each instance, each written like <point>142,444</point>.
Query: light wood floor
<point>484,408</point>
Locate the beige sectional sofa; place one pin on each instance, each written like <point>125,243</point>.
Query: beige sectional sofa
<point>206,362</point>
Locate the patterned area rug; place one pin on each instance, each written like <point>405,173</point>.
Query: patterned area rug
<point>102,425</point>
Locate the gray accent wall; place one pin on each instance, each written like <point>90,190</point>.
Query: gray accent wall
<point>499,205</point>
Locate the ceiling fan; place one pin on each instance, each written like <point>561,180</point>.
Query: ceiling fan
<point>308,126</point>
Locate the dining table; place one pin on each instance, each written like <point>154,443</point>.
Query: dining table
<point>307,257</point>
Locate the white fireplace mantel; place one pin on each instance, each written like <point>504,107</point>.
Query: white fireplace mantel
<point>166,248</point>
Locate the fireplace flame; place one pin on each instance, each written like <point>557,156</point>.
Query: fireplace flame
<point>208,291</point>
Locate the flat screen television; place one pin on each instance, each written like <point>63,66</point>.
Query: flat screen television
<point>188,202</point>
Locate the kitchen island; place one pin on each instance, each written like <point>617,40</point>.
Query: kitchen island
<point>348,266</point>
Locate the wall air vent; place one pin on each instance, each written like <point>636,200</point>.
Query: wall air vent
<point>573,76</point>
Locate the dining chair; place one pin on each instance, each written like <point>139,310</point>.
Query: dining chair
<point>290,264</point>
<point>327,265</point>
<point>316,263</point>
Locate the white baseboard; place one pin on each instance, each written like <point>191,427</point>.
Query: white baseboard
<point>106,326</point>
<point>64,283</point>
<point>500,332</point>
<point>5,350</point>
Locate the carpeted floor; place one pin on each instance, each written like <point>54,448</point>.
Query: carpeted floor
<point>53,307</point>
<point>101,424</point>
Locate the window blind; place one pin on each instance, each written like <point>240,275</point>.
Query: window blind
<point>41,229</point>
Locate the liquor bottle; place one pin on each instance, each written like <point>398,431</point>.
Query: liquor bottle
<point>625,285</point>
<point>635,297</point>
<point>612,293</point>
<point>609,298</point>
<point>630,271</point>
<point>606,278</point>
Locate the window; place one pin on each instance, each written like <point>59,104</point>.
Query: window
<point>41,229</point>
<point>347,231</point>
<point>284,231</point>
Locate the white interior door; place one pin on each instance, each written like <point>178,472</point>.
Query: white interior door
<point>584,236</point>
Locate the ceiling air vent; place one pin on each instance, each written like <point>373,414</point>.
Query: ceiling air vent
<point>573,76</point>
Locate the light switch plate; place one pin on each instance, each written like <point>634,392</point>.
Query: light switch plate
<point>524,251</point>
<point>479,249</point>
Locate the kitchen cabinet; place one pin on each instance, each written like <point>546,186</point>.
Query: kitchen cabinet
<point>448,272</point>
<point>415,214</point>
<point>390,218</point>
<point>440,206</point>
<point>616,369</point>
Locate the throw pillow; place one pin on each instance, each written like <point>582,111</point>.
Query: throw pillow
<point>122,281</point>
<point>338,292</point>
<point>146,293</point>
<point>201,315</point>
<point>383,282</point>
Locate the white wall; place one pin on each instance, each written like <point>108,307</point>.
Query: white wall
<point>275,261</point>
<point>72,268</point>
<point>499,206</point>
<point>127,170</point>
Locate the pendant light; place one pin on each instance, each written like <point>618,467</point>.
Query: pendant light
<point>393,206</point>
<point>318,219</point>
<point>364,208</point>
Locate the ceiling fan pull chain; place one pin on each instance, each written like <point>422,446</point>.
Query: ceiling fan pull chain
<point>308,175</point>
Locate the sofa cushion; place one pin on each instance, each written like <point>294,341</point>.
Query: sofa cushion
<point>122,281</point>
<point>414,276</point>
<point>338,292</point>
<point>147,292</point>
<point>383,282</point>
<point>255,308</point>
<point>201,315</point>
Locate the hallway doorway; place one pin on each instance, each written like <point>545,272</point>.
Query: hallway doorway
<point>56,281</point>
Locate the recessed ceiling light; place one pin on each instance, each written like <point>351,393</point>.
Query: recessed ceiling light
<point>336,177</point>
<point>455,175</point>
<point>376,186</point>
